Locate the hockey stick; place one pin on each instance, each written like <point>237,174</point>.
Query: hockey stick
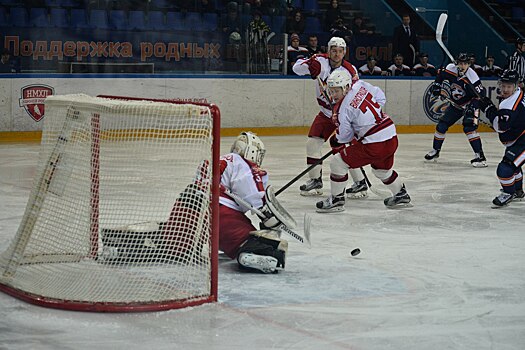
<point>282,226</point>
<point>439,38</point>
<point>292,181</point>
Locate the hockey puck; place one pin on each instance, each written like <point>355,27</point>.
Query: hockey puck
<point>355,252</point>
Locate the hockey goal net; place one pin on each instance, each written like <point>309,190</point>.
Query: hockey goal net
<point>123,211</point>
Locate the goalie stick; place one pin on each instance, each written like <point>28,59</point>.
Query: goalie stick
<point>282,227</point>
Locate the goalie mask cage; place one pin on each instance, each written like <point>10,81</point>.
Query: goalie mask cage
<point>123,214</point>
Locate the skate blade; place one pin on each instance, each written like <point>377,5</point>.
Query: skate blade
<point>434,160</point>
<point>312,193</point>
<point>331,210</point>
<point>400,206</point>
<point>358,195</point>
<point>479,165</point>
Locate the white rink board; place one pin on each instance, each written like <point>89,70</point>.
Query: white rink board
<point>244,103</point>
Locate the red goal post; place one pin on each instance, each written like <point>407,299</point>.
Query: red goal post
<point>123,214</point>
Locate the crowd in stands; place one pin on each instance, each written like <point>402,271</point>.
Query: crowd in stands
<point>252,21</point>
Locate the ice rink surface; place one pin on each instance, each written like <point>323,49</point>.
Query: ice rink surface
<point>448,273</point>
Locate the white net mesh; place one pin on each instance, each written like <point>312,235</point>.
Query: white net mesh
<point>120,211</point>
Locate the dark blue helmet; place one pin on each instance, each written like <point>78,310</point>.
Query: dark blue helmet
<point>509,76</point>
<point>463,57</point>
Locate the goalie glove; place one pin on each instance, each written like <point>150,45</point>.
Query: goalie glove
<point>314,67</point>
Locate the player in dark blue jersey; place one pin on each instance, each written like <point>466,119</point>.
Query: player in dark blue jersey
<point>465,90</point>
<point>509,122</point>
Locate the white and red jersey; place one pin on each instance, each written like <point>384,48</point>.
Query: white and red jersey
<point>244,179</point>
<point>359,115</point>
<point>301,68</point>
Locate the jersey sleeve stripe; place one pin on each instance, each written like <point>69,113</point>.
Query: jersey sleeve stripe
<point>518,100</point>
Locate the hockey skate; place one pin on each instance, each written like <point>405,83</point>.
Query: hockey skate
<point>358,190</point>
<point>480,161</point>
<point>519,195</point>
<point>502,200</point>
<point>401,199</point>
<point>332,204</point>
<point>265,264</point>
<point>312,187</point>
<point>432,155</point>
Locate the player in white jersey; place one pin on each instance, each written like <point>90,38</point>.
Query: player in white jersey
<point>241,176</point>
<point>319,67</point>
<point>371,136</point>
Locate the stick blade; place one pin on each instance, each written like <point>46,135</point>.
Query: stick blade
<point>441,25</point>
<point>307,224</point>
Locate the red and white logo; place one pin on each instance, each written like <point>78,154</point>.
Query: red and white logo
<point>32,100</point>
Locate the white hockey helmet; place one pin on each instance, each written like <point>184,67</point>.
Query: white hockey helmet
<point>340,78</point>
<point>337,42</point>
<point>250,147</point>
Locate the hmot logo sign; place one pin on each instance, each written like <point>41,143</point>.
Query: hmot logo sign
<point>32,99</point>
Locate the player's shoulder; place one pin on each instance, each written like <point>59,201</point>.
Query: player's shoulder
<point>512,102</point>
<point>451,69</point>
<point>349,67</point>
<point>472,75</point>
<point>418,66</point>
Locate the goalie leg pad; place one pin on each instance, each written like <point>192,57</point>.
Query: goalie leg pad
<point>260,250</point>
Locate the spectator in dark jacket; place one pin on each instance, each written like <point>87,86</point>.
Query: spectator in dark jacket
<point>405,41</point>
<point>332,14</point>
<point>295,24</point>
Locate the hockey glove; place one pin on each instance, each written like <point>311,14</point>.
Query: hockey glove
<point>314,67</point>
<point>435,89</point>
<point>336,146</point>
<point>471,116</point>
<point>485,103</point>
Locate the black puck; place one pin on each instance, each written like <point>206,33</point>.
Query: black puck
<point>355,252</point>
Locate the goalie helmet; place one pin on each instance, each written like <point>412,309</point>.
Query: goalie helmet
<point>250,147</point>
<point>337,42</point>
<point>340,78</point>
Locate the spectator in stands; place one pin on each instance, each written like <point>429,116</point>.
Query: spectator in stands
<point>359,28</point>
<point>6,66</point>
<point>516,61</point>
<point>332,14</point>
<point>423,68</point>
<point>231,22</point>
<point>205,6</point>
<point>398,68</point>
<point>370,68</point>
<point>259,6</point>
<point>490,69</point>
<point>296,23</point>
<point>339,29</point>
<point>405,41</point>
<point>295,51</point>
<point>475,67</point>
<point>313,45</point>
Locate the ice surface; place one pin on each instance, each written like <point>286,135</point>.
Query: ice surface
<point>445,274</point>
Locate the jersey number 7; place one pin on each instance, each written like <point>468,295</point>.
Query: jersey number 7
<point>372,106</point>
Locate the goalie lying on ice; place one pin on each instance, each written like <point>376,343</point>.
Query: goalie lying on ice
<point>241,177</point>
